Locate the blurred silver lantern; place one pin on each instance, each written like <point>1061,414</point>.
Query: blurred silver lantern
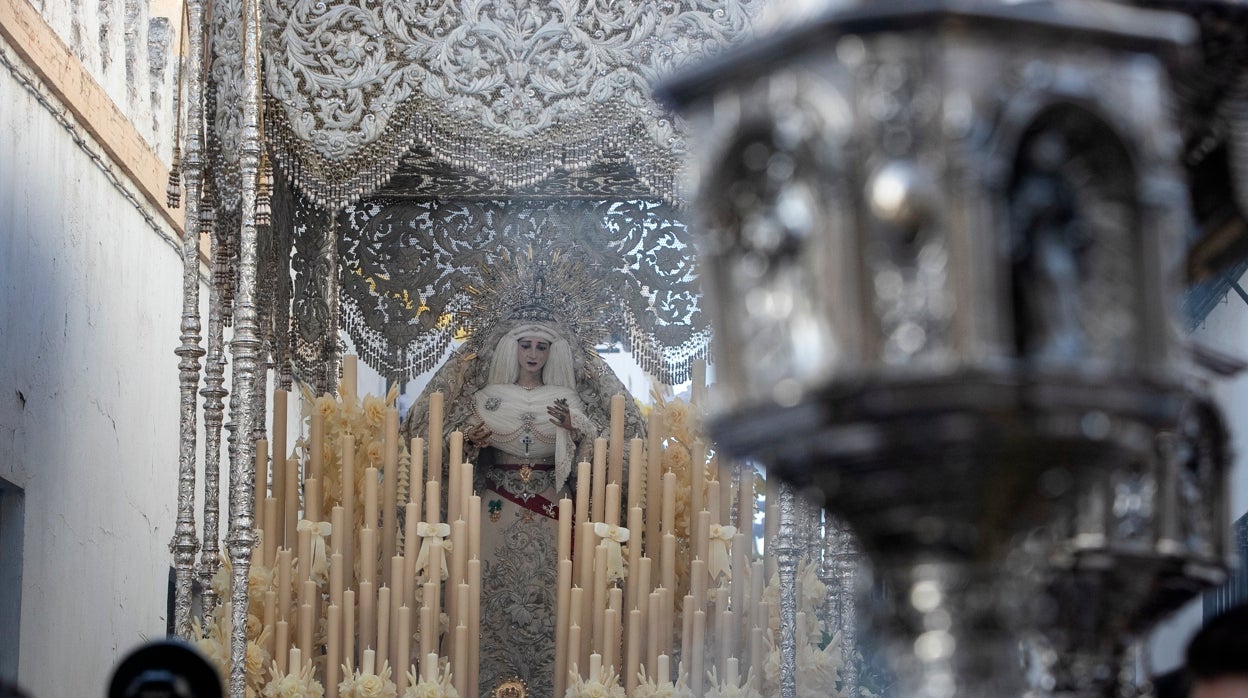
<point>942,240</point>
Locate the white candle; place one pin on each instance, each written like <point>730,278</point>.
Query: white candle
<point>697,474</point>
<point>595,667</point>
<point>259,490</point>
<point>404,652</point>
<point>368,555</point>
<point>460,670</point>
<point>663,670</point>
<point>416,471</point>
<point>382,641</point>
<point>278,464</point>
<point>598,486</point>
<point>368,615</point>
<point>427,631</point>
<point>669,502</point>
<point>370,498</point>
<point>290,509</point>
<point>699,642</point>
<point>632,661</point>
<point>272,531</point>
<point>312,505</point>
<point>612,513</point>
<point>348,625</point>
<point>284,572</point>
<point>654,626</point>
<point>600,595</point>
<point>369,665</point>
<point>654,479</point>
<point>333,655</point>
<point>350,382</point>
<point>636,475</point>
<point>390,489</point>
<point>316,445</point>
<point>435,437</point>
<point>398,599</point>
<point>348,507</point>
<point>305,629</point>
<point>455,485</point>
<point>296,659</point>
<point>282,631</point>
<point>474,623</point>
<point>429,667</point>
<point>563,592</point>
<point>615,459</point>
<point>574,651</point>
<point>611,621</point>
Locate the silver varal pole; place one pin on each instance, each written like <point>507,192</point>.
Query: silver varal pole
<point>185,543</point>
<point>245,346</point>
<point>788,549</point>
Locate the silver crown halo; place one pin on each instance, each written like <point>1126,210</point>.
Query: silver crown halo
<point>549,287</point>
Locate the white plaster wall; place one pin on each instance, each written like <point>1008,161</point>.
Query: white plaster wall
<point>90,301</point>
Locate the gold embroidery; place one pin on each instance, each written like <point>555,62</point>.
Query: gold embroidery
<point>511,688</point>
<point>526,472</point>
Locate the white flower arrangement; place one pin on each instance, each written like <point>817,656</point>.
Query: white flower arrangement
<point>417,687</point>
<point>364,683</point>
<point>728,686</point>
<point>601,684</point>
<point>648,687</point>
<point>301,684</point>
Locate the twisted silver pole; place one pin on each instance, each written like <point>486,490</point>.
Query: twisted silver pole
<point>245,347</point>
<point>185,544</point>
<point>788,551</point>
<point>214,394</point>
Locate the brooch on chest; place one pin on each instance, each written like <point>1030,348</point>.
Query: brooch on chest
<point>493,403</point>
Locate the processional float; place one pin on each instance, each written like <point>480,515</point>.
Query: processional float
<point>950,268</point>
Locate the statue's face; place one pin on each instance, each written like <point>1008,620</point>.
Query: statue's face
<point>533,353</point>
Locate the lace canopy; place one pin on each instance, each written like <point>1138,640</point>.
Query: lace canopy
<point>423,138</point>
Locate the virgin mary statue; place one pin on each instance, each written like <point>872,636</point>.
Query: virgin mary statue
<point>530,395</point>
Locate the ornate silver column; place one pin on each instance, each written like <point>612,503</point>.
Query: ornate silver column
<point>184,544</point>
<point>245,347</point>
<point>214,394</point>
<point>788,552</point>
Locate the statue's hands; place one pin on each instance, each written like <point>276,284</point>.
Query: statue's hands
<point>560,414</point>
<point>480,435</point>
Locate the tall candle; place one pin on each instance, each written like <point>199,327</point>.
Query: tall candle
<point>316,445</point>
<point>474,527</point>
<point>312,502</point>
<point>370,498</point>
<point>615,453</point>
<point>368,555</point>
<point>389,490</point>
<point>613,504</point>
<point>610,645</point>
<point>600,595</point>
<point>427,627</point>
<point>574,651</point>
<point>348,507</point>
<point>435,437</point>
<point>712,501</point>
<point>398,599</point>
<point>272,532</point>
<point>654,479</point>
<point>333,654</point>
<point>368,615</point>
<point>460,670</point>
<point>669,502</point>
<point>644,583</point>
<point>728,634</point>
<point>701,536</point>
<point>697,391</point>
<point>348,625</point>
<point>305,629</point>
<point>404,652</point>
<point>758,649</point>
<point>337,529</point>
<point>583,486</point>
<point>290,509</point>
<point>349,387</point>
<point>725,490</point>
<point>669,562</point>
<point>564,546</point>
<point>654,626</point>
<point>598,485</point>
<point>474,623</point>
<point>465,488</point>
<point>696,671</point>
<point>270,619</point>
<point>686,630</point>
<point>635,524</point>
<point>455,485</point>
<point>636,475</point>
<point>336,577</point>
<point>416,471</point>
<point>586,572</point>
<point>458,569</point>
<point>697,474</point>
<point>282,631</point>
<point>632,659</point>
<point>433,501</point>
<point>284,573</point>
<point>563,589</point>
<point>278,463</point>
<point>698,581</point>
<point>578,615</point>
<point>411,549</point>
<point>382,640</point>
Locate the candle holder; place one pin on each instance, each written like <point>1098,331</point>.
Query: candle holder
<point>941,241</point>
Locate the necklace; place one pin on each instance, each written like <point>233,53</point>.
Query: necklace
<point>530,387</point>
